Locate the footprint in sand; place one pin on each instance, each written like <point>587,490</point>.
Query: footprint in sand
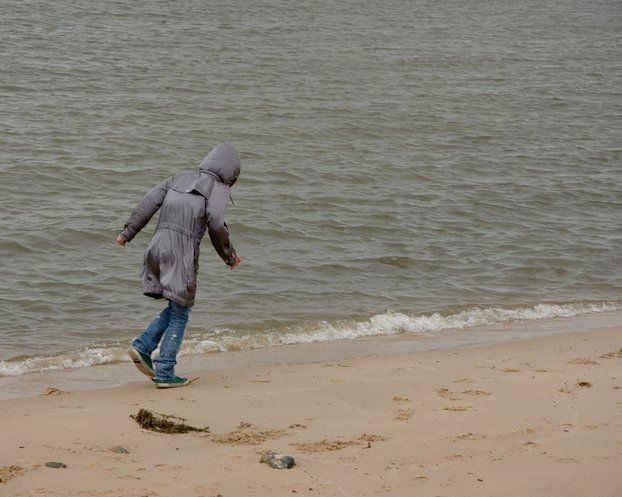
<point>464,380</point>
<point>404,414</point>
<point>323,445</point>
<point>476,392</point>
<point>469,436</point>
<point>327,445</point>
<point>612,355</point>
<point>583,362</point>
<point>246,435</point>
<point>368,437</point>
<point>447,394</point>
<point>9,472</point>
<point>458,457</point>
<point>398,398</point>
<point>566,459</point>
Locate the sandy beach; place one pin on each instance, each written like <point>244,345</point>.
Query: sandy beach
<point>538,417</point>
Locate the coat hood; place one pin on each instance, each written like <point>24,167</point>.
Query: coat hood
<point>223,162</point>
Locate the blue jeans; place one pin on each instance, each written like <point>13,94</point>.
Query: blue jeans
<point>167,330</point>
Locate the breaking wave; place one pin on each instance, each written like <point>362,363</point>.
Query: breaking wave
<point>387,323</point>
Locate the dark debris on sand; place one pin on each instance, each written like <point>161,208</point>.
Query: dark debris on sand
<point>162,422</point>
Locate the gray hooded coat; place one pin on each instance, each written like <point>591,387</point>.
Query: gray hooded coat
<point>190,204</point>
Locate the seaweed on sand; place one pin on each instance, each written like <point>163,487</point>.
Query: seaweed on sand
<point>162,422</point>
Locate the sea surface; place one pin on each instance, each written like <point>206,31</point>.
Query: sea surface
<point>409,167</point>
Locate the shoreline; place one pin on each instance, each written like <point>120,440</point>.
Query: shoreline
<point>539,416</point>
<point>117,374</point>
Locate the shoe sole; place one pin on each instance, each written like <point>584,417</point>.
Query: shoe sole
<point>171,385</point>
<point>140,364</point>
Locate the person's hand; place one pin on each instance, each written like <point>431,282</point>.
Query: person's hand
<point>238,259</point>
<point>120,240</point>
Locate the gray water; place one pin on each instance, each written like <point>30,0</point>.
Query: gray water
<point>408,166</point>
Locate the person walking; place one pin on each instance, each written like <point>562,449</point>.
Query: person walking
<point>190,204</point>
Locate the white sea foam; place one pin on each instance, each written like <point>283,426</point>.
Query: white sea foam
<point>83,358</point>
<point>388,323</point>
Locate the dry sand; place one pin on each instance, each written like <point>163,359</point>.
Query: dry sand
<point>541,417</point>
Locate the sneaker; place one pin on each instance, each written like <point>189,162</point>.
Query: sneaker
<point>142,362</point>
<point>171,382</point>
